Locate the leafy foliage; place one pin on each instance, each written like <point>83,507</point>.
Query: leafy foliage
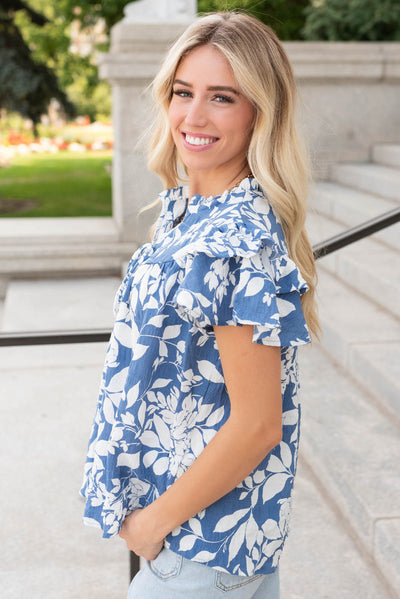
<point>26,84</point>
<point>286,17</point>
<point>357,20</point>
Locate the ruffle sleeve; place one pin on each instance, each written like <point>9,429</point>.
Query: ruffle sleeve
<point>244,276</point>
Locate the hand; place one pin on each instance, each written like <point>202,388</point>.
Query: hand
<point>138,537</point>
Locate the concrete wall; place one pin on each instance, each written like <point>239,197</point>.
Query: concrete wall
<point>350,99</point>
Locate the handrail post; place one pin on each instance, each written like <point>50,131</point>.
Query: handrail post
<point>134,563</point>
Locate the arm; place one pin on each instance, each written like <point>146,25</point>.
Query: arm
<point>252,375</point>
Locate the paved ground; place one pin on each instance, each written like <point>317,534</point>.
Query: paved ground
<point>48,396</point>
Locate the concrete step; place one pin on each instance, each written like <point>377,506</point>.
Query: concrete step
<point>61,246</point>
<point>41,260</point>
<point>367,265</point>
<point>363,338</point>
<point>351,207</point>
<point>60,304</point>
<point>383,181</point>
<point>42,231</point>
<point>353,449</point>
<point>386,154</point>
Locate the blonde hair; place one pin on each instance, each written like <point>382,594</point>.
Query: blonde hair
<point>275,156</point>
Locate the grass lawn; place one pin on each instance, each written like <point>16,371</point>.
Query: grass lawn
<point>63,184</point>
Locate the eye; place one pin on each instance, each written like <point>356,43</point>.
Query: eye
<point>182,93</point>
<point>221,99</point>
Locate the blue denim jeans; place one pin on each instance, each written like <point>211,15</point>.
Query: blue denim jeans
<point>171,576</point>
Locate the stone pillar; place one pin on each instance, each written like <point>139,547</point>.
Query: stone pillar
<point>138,44</point>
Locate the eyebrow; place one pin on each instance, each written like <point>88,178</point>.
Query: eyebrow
<point>213,88</point>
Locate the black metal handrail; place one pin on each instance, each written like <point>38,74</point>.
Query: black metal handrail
<point>356,233</point>
<point>98,335</point>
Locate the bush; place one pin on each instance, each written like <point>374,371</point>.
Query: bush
<point>352,20</point>
<point>286,17</point>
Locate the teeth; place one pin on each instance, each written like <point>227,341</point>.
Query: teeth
<point>199,141</point>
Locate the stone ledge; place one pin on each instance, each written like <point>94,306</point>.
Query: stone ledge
<point>25,231</point>
<point>137,51</point>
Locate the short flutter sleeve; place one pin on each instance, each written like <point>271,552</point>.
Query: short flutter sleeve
<point>249,279</point>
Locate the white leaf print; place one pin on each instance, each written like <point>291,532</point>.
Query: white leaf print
<point>132,395</point>
<point>101,448</point>
<point>286,454</point>
<point>157,321</point>
<point>196,442</point>
<point>204,411</point>
<point>149,439</point>
<point>208,434</point>
<point>141,413</point>
<point>275,464</point>
<point>215,417</point>
<point>187,542</point>
<point>123,333</point>
<point>195,525</point>
<point>139,350</point>
<point>209,371</point>
<point>284,307</point>
<point>254,496</point>
<point>184,298</point>
<point>290,417</point>
<point>259,476</point>
<point>118,381</point>
<point>270,547</point>
<point>228,522</point>
<point>203,557</point>
<point>131,460</point>
<point>274,485</point>
<point>236,542</point>
<point>162,432</point>
<point>151,304</point>
<point>271,529</point>
<point>158,383</point>
<point>161,466</point>
<point>251,532</point>
<point>203,300</point>
<point>150,457</point>
<point>162,349</point>
<point>108,410</point>
<point>244,277</point>
<point>181,346</point>
<point>172,331</point>
<point>254,286</point>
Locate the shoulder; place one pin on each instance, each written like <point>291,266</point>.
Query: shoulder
<point>244,221</point>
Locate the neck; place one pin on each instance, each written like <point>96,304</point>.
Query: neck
<point>213,183</point>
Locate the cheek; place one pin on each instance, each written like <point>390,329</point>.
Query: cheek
<point>174,115</point>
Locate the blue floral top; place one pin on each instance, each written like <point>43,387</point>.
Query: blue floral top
<point>163,398</point>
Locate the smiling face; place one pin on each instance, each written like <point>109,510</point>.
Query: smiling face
<point>210,121</point>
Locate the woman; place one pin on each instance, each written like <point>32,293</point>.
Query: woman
<point>198,418</point>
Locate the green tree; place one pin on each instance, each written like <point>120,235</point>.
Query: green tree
<point>353,20</point>
<point>26,85</point>
<point>286,17</point>
<point>41,39</point>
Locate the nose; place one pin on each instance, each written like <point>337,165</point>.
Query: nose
<point>196,115</point>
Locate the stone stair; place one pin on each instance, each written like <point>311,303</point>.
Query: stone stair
<point>62,246</point>
<point>352,431</point>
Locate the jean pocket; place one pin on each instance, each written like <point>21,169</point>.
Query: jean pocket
<point>167,564</point>
<point>231,582</point>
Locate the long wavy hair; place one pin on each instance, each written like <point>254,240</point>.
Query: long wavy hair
<point>276,156</point>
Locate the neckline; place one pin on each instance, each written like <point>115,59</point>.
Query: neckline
<point>245,183</point>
